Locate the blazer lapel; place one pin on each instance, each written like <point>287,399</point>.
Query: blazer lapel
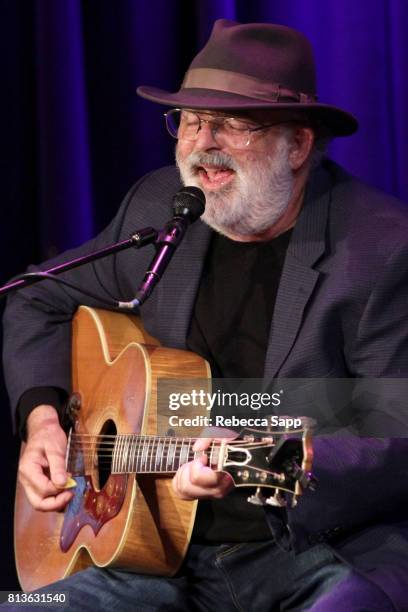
<point>299,278</point>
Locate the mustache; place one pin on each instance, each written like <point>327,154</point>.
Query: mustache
<point>216,158</point>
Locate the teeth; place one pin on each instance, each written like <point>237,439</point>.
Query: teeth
<point>215,174</point>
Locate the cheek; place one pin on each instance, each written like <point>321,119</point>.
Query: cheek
<point>251,158</point>
<point>247,158</point>
<point>183,149</point>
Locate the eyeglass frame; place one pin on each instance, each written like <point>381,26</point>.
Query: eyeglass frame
<point>250,131</point>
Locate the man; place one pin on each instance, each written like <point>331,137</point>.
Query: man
<point>304,276</point>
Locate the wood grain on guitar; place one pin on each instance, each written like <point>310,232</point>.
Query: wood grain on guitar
<point>124,512</point>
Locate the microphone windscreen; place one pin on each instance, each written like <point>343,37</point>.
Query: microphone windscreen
<point>189,202</point>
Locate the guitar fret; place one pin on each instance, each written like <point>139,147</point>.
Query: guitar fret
<point>125,453</point>
<point>170,453</point>
<point>152,452</point>
<point>129,459</point>
<point>159,455</point>
<point>148,455</point>
<point>183,453</point>
<point>144,455</point>
<point>115,455</point>
<point>137,463</point>
<point>150,442</point>
<point>122,452</point>
<point>173,469</point>
<point>176,460</point>
<point>133,454</point>
<point>129,440</point>
<point>163,455</point>
<point>142,452</point>
<point>120,456</point>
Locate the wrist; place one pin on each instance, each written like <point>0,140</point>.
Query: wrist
<point>41,416</point>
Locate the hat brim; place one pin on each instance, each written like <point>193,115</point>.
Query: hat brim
<point>339,122</point>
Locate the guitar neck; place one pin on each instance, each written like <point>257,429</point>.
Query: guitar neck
<point>130,453</point>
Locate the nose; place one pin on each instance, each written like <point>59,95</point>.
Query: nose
<point>206,137</point>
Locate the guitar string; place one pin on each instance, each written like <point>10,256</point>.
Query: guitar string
<point>155,451</point>
<point>74,454</point>
<point>90,451</point>
<point>140,435</point>
<point>113,444</point>
<point>107,447</point>
<point>142,438</point>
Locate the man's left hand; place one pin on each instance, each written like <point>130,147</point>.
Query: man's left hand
<point>195,480</point>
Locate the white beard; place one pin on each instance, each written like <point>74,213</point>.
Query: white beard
<point>255,199</point>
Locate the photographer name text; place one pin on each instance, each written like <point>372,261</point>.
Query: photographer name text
<point>289,423</point>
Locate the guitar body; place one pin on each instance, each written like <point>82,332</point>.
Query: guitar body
<point>116,520</point>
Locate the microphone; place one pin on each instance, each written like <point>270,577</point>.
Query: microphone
<point>188,206</point>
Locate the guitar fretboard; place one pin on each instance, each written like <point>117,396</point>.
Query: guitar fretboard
<point>130,453</point>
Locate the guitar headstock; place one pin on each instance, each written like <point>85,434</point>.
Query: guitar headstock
<point>278,465</point>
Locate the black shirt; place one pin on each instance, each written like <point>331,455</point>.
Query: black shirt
<point>230,328</point>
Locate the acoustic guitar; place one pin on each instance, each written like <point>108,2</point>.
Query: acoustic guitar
<point>124,512</point>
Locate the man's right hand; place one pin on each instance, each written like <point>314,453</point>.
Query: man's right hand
<point>42,470</point>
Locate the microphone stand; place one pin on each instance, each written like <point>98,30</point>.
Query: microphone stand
<point>138,239</point>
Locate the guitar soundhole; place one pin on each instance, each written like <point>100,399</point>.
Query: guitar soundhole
<point>104,453</point>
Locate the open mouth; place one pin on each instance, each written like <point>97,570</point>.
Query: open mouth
<point>214,177</point>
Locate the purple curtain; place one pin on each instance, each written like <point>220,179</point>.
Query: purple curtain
<point>75,136</point>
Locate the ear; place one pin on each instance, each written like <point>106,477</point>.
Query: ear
<point>301,146</point>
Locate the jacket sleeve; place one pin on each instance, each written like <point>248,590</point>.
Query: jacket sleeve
<point>362,469</point>
<point>37,320</point>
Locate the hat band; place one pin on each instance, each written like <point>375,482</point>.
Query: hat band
<point>234,82</point>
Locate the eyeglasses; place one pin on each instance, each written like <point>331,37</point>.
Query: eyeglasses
<point>184,124</point>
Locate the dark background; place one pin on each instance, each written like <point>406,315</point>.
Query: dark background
<point>74,136</point>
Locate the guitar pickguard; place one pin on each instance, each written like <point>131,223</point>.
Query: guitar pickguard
<point>91,507</point>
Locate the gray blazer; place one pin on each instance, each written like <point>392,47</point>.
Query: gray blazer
<point>341,311</point>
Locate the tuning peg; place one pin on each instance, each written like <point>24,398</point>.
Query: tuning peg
<point>311,481</point>
<point>249,438</point>
<point>306,479</point>
<point>257,498</point>
<point>276,500</point>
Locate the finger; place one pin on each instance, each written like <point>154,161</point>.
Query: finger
<point>40,491</point>
<point>36,464</point>
<point>182,485</point>
<point>201,444</point>
<point>207,482</point>
<point>204,483</point>
<point>31,474</point>
<point>55,452</point>
<point>57,502</point>
<point>70,484</point>
<point>200,475</point>
<point>50,503</point>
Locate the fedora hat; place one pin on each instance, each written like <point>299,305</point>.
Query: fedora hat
<point>255,66</point>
